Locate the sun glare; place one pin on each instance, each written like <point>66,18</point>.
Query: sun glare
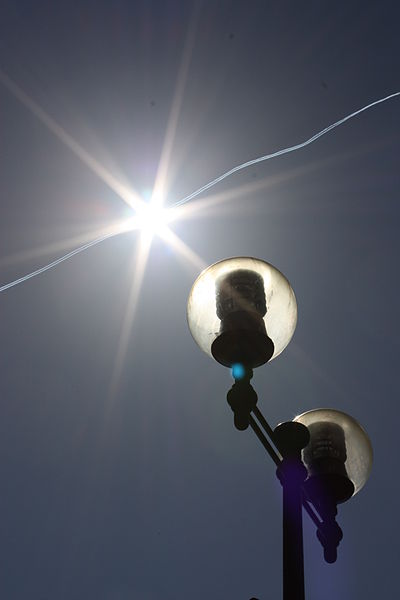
<point>151,218</point>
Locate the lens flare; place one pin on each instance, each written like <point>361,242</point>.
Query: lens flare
<point>238,371</point>
<point>152,218</point>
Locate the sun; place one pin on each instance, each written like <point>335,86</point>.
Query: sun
<point>153,218</point>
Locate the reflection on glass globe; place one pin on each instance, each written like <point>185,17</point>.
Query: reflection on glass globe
<point>339,452</point>
<point>242,311</point>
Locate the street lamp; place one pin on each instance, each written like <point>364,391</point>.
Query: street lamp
<point>242,312</point>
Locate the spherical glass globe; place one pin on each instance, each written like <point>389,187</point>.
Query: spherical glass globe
<point>242,311</point>
<point>339,450</point>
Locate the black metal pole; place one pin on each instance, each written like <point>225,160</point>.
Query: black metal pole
<point>292,473</point>
<point>289,438</point>
<point>293,559</point>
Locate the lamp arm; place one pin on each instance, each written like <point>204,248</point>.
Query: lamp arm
<point>242,399</point>
<point>323,514</point>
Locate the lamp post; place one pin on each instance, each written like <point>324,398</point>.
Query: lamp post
<point>242,312</point>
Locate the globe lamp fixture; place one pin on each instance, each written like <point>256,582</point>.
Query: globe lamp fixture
<point>242,312</point>
<point>339,454</point>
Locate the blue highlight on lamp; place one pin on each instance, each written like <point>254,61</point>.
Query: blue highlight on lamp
<point>238,371</point>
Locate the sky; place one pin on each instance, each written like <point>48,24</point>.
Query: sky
<point>122,474</point>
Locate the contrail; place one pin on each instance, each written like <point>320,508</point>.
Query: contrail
<point>255,161</point>
<point>205,187</point>
<point>128,195</point>
<point>56,262</point>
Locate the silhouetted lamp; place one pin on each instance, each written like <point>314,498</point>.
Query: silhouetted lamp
<point>242,312</point>
<point>338,457</point>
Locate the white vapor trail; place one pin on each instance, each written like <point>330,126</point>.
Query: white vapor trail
<point>205,187</point>
<point>56,262</point>
<point>255,161</point>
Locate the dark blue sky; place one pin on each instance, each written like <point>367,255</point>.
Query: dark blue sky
<point>148,492</point>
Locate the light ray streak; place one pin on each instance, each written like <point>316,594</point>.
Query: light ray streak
<point>60,246</point>
<point>144,245</point>
<point>56,262</point>
<point>125,193</point>
<point>183,249</point>
<point>143,250</point>
<point>163,167</point>
<point>255,161</point>
<point>203,208</point>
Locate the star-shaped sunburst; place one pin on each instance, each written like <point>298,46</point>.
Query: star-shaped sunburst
<point>152,218</point>
<point>148,219</point>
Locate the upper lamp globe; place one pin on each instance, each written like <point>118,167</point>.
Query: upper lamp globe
<point>242,311</point>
